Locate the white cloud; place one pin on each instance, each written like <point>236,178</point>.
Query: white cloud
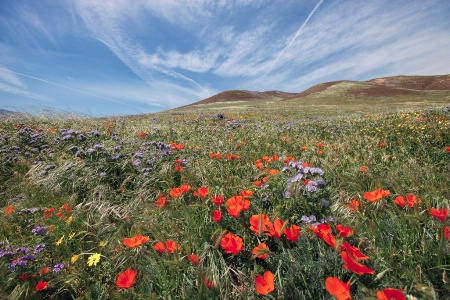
<point>11,78</point>
<point>21,92</point>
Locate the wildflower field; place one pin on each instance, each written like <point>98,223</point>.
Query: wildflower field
<point>226,206</point>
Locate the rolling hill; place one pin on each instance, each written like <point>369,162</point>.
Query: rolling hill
<point>375,95</point>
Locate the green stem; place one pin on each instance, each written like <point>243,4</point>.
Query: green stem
<point>441,247</point>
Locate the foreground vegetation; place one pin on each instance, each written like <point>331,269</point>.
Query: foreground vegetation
<point>225,206</point>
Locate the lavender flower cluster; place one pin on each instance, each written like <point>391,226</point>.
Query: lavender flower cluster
<point>299,172</point>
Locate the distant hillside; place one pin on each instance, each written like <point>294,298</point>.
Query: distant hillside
<point>379,87</point>
<point>337,97</point>
<point>438,82</point>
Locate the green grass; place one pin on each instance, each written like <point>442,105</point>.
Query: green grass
<point>110,198</point>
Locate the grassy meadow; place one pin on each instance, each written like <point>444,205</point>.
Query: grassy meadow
<point>232,204</point>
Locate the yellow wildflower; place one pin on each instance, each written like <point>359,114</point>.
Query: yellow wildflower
<point>72,235</point>
<point>74,258</point>
<point>59,241</point>
<point>69,220</point>
<point>93,259</point>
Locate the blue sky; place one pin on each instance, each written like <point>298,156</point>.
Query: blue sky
<point>121,57</point>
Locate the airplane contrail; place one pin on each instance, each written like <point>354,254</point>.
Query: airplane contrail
<point>72,89</point>
<point>296,34</point>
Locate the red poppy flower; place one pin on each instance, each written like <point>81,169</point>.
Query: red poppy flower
<point>126,279</point>
<point>172,246</point>
<point>338,288</point>
<point>390,294</point>
<point>24,276</point>
<point>261,251</point>
<point>376,195</point>
<point>354,251</point>
<point>159,247</point>
<point>232,244</point>
<point>275,157</point>
<point>209,283</point>
<point>194,259</point>
<point>363,168</point>
<point>440,214</point>
<point>277,230</point>
<point>135,241</point>
<point>447,149</point>
<point>41,285</point>
<point>265,284</point>
<point>323,231</point>
<point>217,199</point>
<point>161,202</point>
<point>447,233</point>
<point>217,216</point>
<point>344,231</point>
<point>354,266</point>
<point>178,168</point>
<point>382,144</point>
<point>319,145</point>
<point>292,233</point>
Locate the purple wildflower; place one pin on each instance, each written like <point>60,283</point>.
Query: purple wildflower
<point>38,248</point>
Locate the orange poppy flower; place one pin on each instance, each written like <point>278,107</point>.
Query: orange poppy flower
<point>265,284</point>
<point>236,205</point>
<point>338,288</point>
<point>201,192</point>
<point>390,294</point>
<point>292,233</point>
<point>217,216</point>
<point>275,157</point>
<point>258,164</point>
<point>352,265</point>
<point>135,241</point>
<point>376,195</point>
<point>400,201</point>
<point>382,144</point>
<point>126,279</point>
<point>217,199</point>
<point>41,285</point>
<point>261,251</point>
<point>9,210</point>
<point>412,200</point>
<point>353,205</point>
<point>232,244</point>
<point>172,246</point>
<point>344,231</point>
<point>176,192</point>
<point>44,270</point>
<point>304,148</point>
<point>185,188</point>
<point>354,251</point>
<point>319,145</point>
<point>323,231</point>
<point>194,259</point>
<point>260,223</point>
<point>159,247</point>
<point>440,214</point>
<point>277,229</point>
<point>161,202</point>
<point>363,169</point>
<point>257,183</point>
<point>246,193</point>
